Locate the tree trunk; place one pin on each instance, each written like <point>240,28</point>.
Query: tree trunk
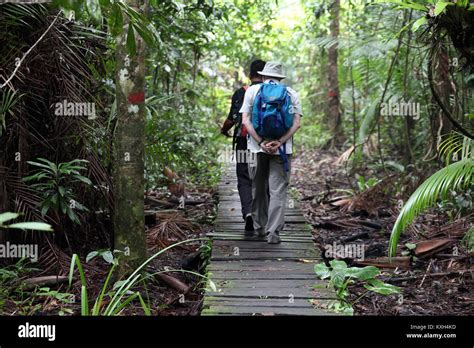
<point>439,123</point>
<point>334,115</point>
<point>445,89</point>
<point>129,148</point>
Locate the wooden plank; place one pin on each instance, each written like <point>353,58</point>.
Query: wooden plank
<point>262,310</point>
<point>253,254</point>
<point>240,226</point>
<point>268,284</point>
<point>241,232</point>
<point>237,219</point>
<point>274,292</point>
<point>234,248</point>
<point>262,302</point>
<point>256,257</point>
<point>240,236</point>
<point>255,239</point>
<point>235,213</point>
<point>235,275</point>
<point>261,265</point>
<point>262,244</point>
<point>286,232</point>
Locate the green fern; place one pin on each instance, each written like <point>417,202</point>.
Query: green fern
<point>455,176</point>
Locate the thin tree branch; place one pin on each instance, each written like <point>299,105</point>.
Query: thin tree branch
<point>18,64</point>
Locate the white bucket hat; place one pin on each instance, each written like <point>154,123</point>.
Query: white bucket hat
<point>272,69</point>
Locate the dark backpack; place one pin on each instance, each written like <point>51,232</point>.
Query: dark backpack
<point>239,128</point>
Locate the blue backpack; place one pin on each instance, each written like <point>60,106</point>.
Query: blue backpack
<point>272,114</point>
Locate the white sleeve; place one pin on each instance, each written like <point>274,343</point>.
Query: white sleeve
<point>248,101</point>
<point>295,100</point>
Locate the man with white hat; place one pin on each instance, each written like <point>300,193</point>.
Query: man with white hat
<point>270,172</point>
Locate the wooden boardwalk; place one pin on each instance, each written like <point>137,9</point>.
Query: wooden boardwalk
<point>256,278</point>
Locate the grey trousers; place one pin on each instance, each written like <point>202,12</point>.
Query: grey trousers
<point>269,189</point>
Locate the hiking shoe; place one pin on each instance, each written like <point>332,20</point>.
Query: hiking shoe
<point>273,238</point>
<point>249,223</point>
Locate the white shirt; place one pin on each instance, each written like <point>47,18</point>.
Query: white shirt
<point>247,107</point>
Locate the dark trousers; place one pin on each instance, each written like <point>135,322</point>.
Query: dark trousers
<point>244,183</point>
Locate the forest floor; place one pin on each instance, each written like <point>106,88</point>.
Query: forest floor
<point>434,270</point>
<point>432,266</point>
<point>169,293</point>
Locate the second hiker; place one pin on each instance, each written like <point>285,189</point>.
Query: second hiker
<point>234,119</point>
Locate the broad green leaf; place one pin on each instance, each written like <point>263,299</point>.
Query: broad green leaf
<point>91,255</point>
<point>83,179</point>
<point>440,6</point>
<point>38,226</point>
<point>338,264</point>
<point>7,216</point>
<point>93,8</point>
<point>321,270</point>
<point>50,167</point>
<point>116,20</point>
<point>73,216</point>
<point>131,44</point>
<point>419,22</point>
<point>108,256</point>
<point>64,207</point>
<point>382,288</point>
<point>45,208</point>
<point>145,35</point>
<point>365,273</point>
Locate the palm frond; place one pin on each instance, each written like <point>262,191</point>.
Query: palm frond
<point>455,147</point>
<point>455,176</point>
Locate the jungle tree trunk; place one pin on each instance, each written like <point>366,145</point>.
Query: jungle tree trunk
<point>409,122</point>
<point>334,116</point>
<point>129,148</point>
<point>445,89</point>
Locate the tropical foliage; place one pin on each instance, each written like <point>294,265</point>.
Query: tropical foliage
<point>401,72</point>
